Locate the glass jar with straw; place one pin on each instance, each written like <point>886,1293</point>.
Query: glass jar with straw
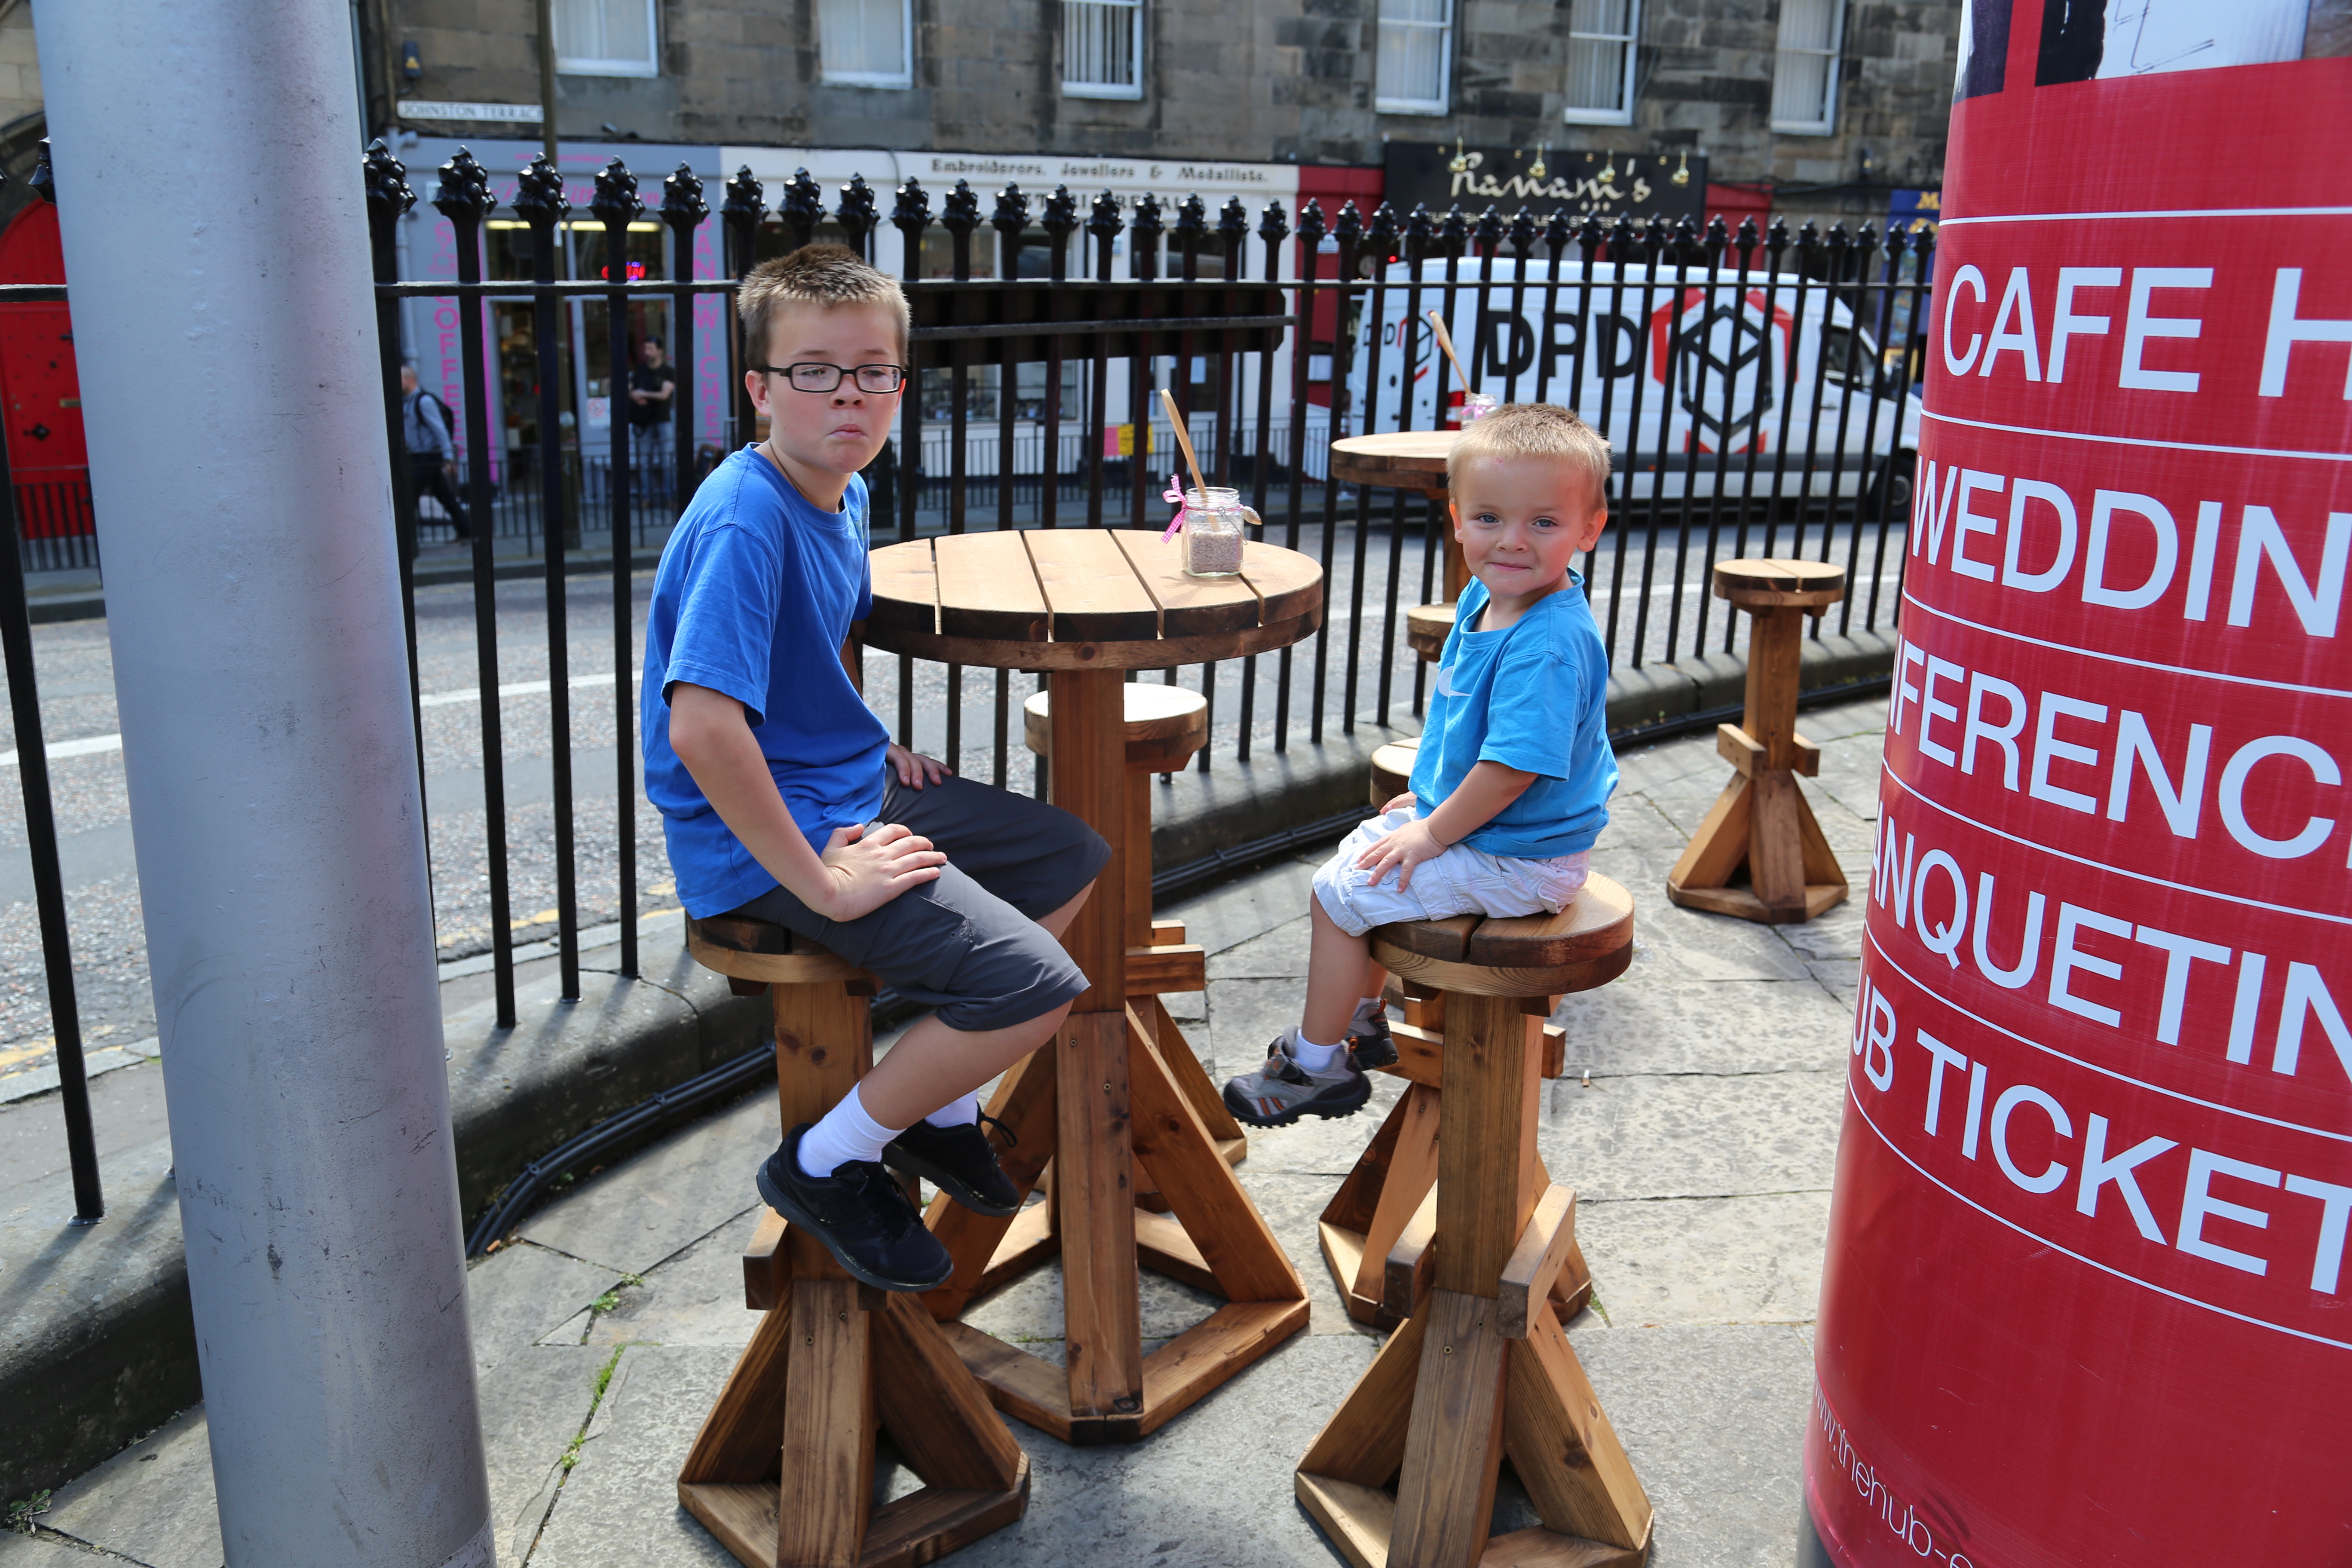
<point>1211,517</point>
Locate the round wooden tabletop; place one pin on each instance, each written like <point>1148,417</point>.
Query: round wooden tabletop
<point>1763,584</point>
<point>1085,599</point>
<point>1405,459</point>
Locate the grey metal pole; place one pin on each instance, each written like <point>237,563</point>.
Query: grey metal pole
<point>227,344</point>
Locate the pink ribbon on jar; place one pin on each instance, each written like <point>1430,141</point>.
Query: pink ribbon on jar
<point>1175,493</point>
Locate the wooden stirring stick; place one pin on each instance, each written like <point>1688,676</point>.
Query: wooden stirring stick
<point>1445,341</point>
<point>1184,439</point>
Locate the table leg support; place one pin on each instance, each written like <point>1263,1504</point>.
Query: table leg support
<point>1094,1187</point>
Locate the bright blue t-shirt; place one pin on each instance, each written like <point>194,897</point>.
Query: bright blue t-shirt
<point>1533,696</point>
<point>753,598</point>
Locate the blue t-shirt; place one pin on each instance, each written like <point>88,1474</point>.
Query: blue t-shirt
<point>753,598</point>
<point>1533,696</point>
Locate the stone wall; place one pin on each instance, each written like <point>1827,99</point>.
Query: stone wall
<point>1284,80</point>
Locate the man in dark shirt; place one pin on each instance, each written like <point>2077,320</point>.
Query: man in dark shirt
<point>653,388</point>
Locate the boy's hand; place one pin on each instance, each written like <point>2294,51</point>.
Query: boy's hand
<point>1406,848</point>
<point>1402,803</point>
<point>869,872</point>
<point>914,768</point>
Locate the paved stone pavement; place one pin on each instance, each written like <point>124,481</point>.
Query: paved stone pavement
<point>1698,1119</point>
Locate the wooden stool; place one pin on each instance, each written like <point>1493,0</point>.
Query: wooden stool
<point>1426,627</point>
<point>1393,770</point>
<point>1165,726</point>
<point>1482,1368</point>
<point>1376,1230</point>
<point>1760,822</point>
<point>782,1470</point>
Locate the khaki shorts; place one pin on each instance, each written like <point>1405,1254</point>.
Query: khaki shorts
<point>1460,881</point>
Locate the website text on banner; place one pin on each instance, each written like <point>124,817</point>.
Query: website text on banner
<point>2086,1300</point>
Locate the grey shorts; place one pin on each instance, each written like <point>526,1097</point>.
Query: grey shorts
<point>968,943</point>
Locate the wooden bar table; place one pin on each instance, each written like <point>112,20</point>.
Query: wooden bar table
<point>1087,607</point>
<point>1411,460</point>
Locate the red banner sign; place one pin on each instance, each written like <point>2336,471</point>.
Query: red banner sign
<point>2087,1298</point>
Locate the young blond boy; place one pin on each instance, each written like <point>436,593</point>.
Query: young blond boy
<point>1512,782</point>
<point>784,798</point>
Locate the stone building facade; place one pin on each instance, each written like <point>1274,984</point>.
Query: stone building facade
<point>1276,81</point>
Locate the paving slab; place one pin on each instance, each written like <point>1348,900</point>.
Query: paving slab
<point>48,1551</point>
<point>1252,906</point>
<point>1713,1419</point>
<point>1684,1261</point>
<point>1244,1016</point>
<point>521,1293</point>
<point>533,1403</point>
<point>1279,950</point>
<point>1707,948</point>
<point>152,1503</point>
<point>1652,1020</point>
<point>693,1299</point>
<point>618,1508</point>
<point>655,1205</point>
<point>1698,1136</point>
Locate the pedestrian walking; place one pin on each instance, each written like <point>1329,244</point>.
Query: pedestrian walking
<point>431,451</point>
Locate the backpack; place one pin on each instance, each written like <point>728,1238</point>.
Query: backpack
<point>449,419</point>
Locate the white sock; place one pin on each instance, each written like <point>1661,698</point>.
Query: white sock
<point>845,1133</point>
<point>961,1111</point>
<point>1370,1010</point>
<point>1312,1057</point>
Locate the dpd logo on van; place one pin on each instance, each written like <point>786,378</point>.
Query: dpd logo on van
<point>1712,343</point>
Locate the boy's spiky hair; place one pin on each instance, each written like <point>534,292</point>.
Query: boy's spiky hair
<point>823,275</point>
<point>1533,430</point>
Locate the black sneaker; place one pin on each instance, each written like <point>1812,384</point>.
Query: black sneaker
<point>861,1213</point>
<point>958,1161</point>
<point>1373,1046</point>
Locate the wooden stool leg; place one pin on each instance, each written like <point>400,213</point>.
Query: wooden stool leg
<point>825,1044</point>
<point>828,1429</point>
<point>1464,1382</point>
<point>1563,1449</point>
<point>741,1438</point>
<point>1486,1151</point>
<point>782,1470</point>
<point>1347,1222</point>
<point>1445,1492</point>
<point>1412,1172</point>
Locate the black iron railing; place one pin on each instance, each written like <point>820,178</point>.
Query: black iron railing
<point>1755,388</point>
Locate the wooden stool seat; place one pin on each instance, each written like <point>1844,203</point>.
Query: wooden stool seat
<point>1760,824</point>
<point>1403,1476</point>
<point>1426,627</point>
<point>763,952</point>
<point>1164,725</point>
<point>1393,770</point>
<point>782,1470</point>
<point>1585,945</point>
<point>1375,1231</point>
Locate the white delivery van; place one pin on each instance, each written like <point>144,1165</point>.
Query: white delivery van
<point>1709,367</point>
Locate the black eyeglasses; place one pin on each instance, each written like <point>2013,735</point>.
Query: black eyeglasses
<point>811,375</point>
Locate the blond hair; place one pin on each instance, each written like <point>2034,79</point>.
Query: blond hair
<point>826,276</point>
<point>1533,430</point>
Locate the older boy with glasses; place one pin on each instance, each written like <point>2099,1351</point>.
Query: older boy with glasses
<point>783,797</point>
